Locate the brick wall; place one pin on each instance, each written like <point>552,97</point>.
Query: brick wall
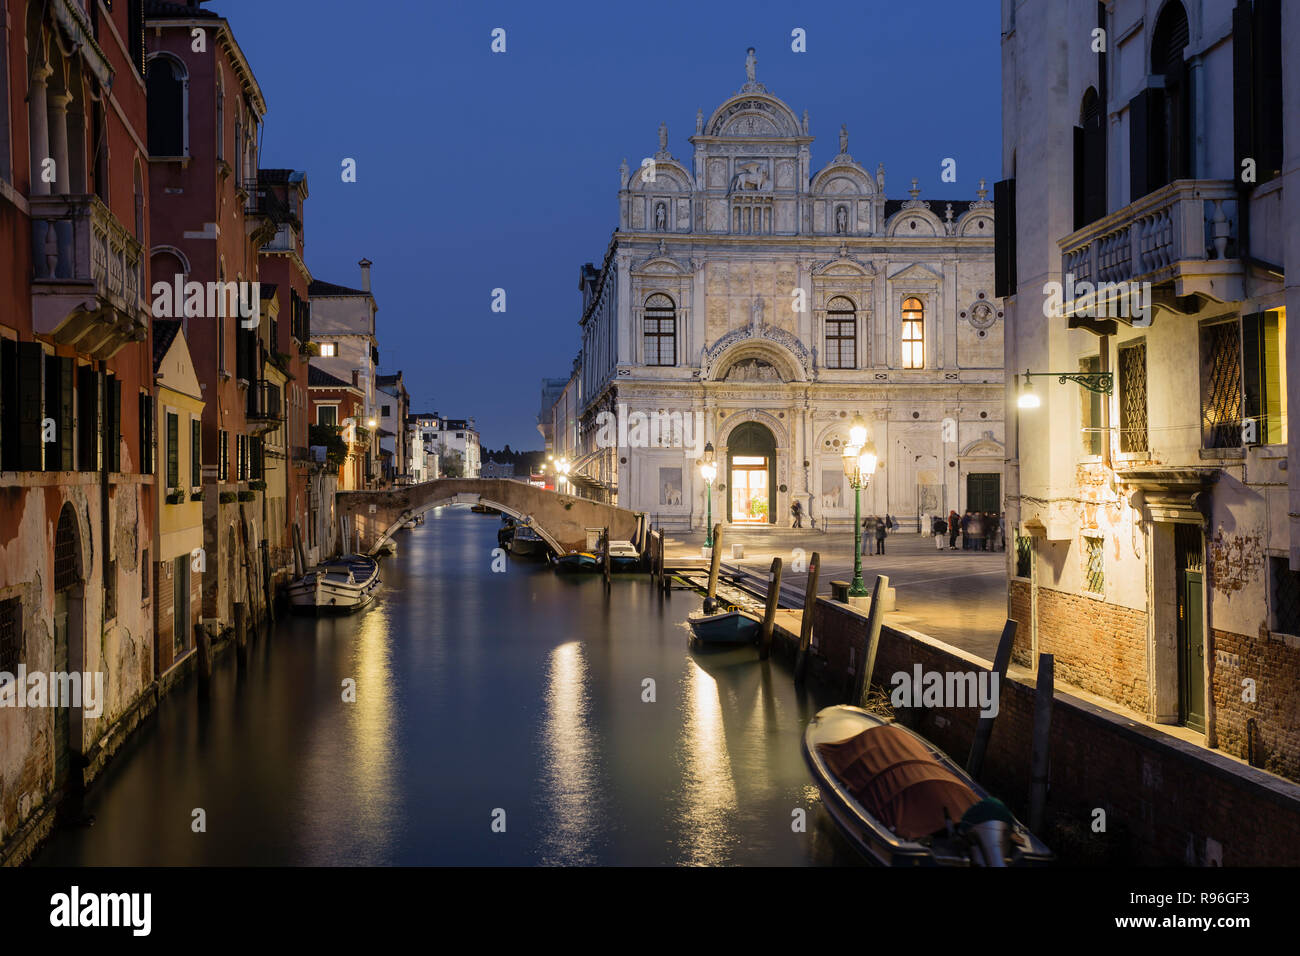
<point>1166,801</point>
<point>1099,647</point>
<point>1274,666</point>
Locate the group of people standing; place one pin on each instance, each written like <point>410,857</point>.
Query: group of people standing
<point>979,530</point>
<point>876,527</point>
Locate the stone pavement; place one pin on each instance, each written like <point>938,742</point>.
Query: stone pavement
<point>958,597</point>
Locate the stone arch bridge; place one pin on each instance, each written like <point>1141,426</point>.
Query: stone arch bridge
<point>561,520</point>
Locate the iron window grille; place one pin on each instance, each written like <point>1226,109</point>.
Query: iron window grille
<point>1221,386</point>
<point>1024,556</point>
<point>1284,585</point>
<point>1133,398</point>
<point>1094,568</point>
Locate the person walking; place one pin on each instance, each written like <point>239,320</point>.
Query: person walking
<point>991,532</point>
<point>868,532</point>
<point>954,522</point>
<point>977,531</point>
<point>965,531</point>
<point>882,528</point>
<point>796,510</point>
<point>939,528</point>
<point>1002,529</point>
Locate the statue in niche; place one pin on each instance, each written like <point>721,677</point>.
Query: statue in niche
<point>753,370</point>
<point>661,217</point>
<point>841,220</point>
<point>756,314</point>
<point>751,65</point>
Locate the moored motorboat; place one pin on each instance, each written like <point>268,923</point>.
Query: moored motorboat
<point>340,586</point>
<point>525,542</point>
<point>732,626</point>
<point>903,802</point>
<point>624,557</point>
<point>577,562</point>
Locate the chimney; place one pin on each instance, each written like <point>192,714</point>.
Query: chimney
<point>365,273</point>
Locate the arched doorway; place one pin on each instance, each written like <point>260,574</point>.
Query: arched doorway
<point>751,475</point>
<point>69,638</point>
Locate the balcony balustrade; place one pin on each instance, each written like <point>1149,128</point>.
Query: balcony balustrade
<point>86,283</point>
<point>1182,236</point>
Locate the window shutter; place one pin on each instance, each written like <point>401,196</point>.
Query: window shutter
<point>196,452</point>
<point>65,414</point>
<point>173,451</point>
<point>1139,159</point>
<point>8,405</point>
<point>1243,84</point>
<point>1080,175</point>
<point>1004,237</point>
<point>1268,89</point>
<point>31,361</point>
<point>113,433</point>
<point>1252,369</point>
<point>87,418</point>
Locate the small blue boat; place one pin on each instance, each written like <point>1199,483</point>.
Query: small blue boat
<point>726,627</point>
<point>577,562</point>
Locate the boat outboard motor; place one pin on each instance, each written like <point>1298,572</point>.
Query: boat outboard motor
<point>987,826</point>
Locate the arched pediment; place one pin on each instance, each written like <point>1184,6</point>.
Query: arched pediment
<point>771,346</point>
<point>844,266</point>
<point>735,419</point>
<point>753,114</point>
<point>843,179</point>
<point>670,177</point>
<point>976,222</point>
<point>984,447</point>
<point>915,222</point>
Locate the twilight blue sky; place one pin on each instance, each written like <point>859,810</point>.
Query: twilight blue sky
<point>478,170</point>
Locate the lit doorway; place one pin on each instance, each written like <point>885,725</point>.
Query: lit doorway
<point>751,474</point>
<point>749,489</point>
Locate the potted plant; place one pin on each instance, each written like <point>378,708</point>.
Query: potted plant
<point>175,496</point>
<point>246,496</point>
<point>257,484</point>
<point>196,495</point>
<point>226,497</point>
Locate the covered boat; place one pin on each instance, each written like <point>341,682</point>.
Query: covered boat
<point>732,626</point>
<point>341,586</point>
<point>525,542</point>
<point>902,802</point>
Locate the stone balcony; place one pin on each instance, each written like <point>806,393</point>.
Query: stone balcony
<point>87,270</point>
<point>1181,239</point>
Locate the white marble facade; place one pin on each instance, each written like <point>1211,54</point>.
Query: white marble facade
<point>745,260</point>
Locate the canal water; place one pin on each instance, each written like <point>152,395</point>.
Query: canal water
<point>483,699</point>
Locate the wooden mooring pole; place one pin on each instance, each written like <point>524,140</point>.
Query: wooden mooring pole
<point>769,612</point>
<point>984,729</point>
<point>806,624</point>
<point>710,602</point>
<point>1040,758</point>
<point>605,557</point>
<point>875,617</point>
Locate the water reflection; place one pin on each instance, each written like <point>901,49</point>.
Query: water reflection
<point>709,793</point>
<point>571,764</point>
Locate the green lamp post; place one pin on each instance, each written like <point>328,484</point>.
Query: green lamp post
<point>708,471</point>
<point>859,465</point>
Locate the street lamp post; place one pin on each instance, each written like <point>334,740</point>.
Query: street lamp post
<point>859,465</point>
<point>709,471</point>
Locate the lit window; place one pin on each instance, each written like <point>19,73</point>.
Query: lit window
<point>913,333</point>
<point>329,349</point>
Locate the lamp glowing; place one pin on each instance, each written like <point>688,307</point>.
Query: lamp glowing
<point>857,431</point>
<point>1028,397</point>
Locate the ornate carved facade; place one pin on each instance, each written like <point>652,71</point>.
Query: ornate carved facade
<point>745,287</point>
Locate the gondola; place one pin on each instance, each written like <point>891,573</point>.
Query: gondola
<point>340,586</point>
<point>732,626</point>
<point>902,802</point>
